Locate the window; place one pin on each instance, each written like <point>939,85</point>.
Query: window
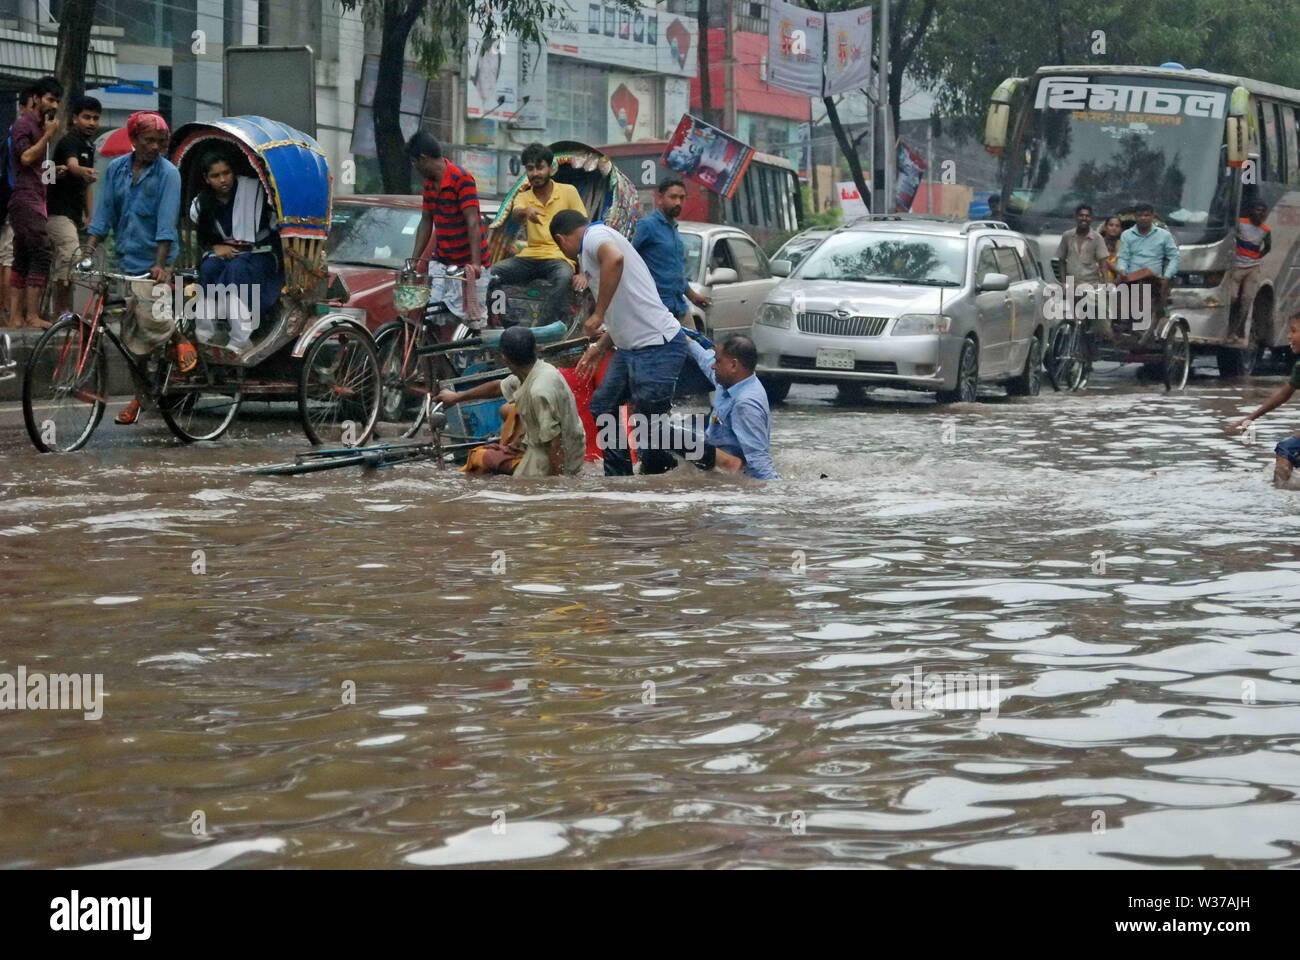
<point>721,257</point>
<point>1277,141</point>
<point>1009,264</point>
<point>1267,139</point>
<point>1289,144</point>
<point>1028,265</point>
<point>575,95</point>
<point>747,259</point>
<point>751,210</point>
<point>986,263</point>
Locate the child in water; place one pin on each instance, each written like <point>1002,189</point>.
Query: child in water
<point>1287,452</point>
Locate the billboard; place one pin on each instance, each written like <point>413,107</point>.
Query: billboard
<point>491,77</point>
<point>707,155</point>
<point>646,39</point>
<point>633,108</point>
<point>796,39</point>
<point>278,83</point>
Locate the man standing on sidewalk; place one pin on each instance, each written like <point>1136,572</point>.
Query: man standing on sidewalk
<point>534,206</point>
<point>71,199</point>
<point>32,134</point>
<point>660,245</point>
<point>630,316</point>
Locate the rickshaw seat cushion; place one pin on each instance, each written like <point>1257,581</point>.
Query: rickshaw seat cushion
<point>526,302</point>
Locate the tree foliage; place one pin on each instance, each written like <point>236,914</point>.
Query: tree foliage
<point>973,44</point>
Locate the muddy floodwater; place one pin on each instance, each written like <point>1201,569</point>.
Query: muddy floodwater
<point>413,668</point>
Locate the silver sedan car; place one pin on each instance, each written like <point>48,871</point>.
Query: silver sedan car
<point>904,301</point>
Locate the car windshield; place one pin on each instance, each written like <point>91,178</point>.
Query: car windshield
<point>693,244</point>
<point>796,248</point>
<point>373,236</point>
<point>866,257</point>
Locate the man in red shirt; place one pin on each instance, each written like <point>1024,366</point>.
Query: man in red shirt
<point>451,209</point>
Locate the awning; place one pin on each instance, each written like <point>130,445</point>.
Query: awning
<point>30,56</point>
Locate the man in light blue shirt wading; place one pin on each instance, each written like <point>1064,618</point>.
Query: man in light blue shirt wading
<point>739,436</point>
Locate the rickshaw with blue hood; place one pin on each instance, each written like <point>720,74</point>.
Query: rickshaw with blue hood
<point>251,292</point>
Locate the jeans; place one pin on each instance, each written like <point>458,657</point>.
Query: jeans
<point>1289,449</point>
<point>646,377</point>
<point>558,273</point>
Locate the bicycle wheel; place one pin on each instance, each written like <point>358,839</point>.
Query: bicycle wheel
<point>339,390</point>
<point>406,380</point>
<point>1069,366</point>
<point>65,387</point>
<point>200,405</point>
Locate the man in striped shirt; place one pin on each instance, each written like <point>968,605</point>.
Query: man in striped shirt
<point>1254,240</point>
<point>451,210</point>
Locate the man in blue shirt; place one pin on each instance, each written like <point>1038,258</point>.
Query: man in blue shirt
<point>1148,255</point>
<point>739,436</point>
<point>141,203</point>
<point>660,246</point>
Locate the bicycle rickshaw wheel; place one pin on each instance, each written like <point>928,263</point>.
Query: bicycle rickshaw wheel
<point>407,380</point>
<point>194,413</point>
<point>339,389</point>
<point>65,387</point>
<point>1068,369</point>
<point>1178,357</point>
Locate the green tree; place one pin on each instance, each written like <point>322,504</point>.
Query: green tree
<point>436,31</point>
<point>974,45</point>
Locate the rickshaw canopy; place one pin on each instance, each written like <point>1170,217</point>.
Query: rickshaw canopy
<point>290,164</point>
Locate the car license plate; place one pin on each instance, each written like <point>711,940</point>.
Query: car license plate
<point>835,359</point>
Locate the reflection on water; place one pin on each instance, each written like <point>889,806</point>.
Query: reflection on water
<point>413,668</point>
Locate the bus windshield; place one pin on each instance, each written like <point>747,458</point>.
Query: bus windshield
<point>1113,141</point>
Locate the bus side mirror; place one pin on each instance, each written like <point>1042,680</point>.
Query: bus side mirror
<point>999,116</point>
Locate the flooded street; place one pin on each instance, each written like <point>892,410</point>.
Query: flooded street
<point>415,668</point>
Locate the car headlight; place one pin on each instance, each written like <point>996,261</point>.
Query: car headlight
<point>775,315</point>
<point>921,324</point>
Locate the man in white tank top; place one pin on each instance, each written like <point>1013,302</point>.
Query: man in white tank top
<point>629,316</point>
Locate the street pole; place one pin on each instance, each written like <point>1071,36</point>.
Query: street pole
<point>729,108</point>
<point>929,164</point>
<point>886,125</point>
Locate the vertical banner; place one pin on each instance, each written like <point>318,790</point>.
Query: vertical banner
<point>795,42</point>
<point>848,52</point>
<point>911,170</point>
<point>492,75</point>
<point>531,113</point>
<point>707,155</point>
<point>677,100</point>
<point>633,108</point>
<point>850,200</point>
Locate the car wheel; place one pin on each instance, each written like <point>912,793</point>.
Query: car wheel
<point>968,377</point>
<point>777,388</point>
<point>1029,382</point>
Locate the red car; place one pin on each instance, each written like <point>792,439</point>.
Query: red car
<point>371,236</point>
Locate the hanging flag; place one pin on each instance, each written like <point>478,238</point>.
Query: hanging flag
<point>704,153</point>
<point>795,45</point>
<point>848,50</point>
<point>911,170</point>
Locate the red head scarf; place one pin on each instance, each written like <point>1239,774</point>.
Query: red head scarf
<point>138,123</point>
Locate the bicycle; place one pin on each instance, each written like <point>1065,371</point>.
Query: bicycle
<point>65,381</point>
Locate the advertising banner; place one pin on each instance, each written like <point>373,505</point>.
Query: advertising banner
<point>848,50</point>
<point>531,112</point>
<point>850,199</point>
<point>795,42</point>
<point>632,108</point>
<point>492,78</point>
<point>646,39</point>
<point>707,155</point>
<point>911,171</point>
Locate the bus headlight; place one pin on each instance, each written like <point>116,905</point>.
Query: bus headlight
<point>920,325</point>
<point>775,315</point>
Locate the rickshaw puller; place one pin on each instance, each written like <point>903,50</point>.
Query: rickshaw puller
<point>141,203</point>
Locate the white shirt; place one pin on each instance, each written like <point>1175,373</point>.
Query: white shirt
<point>636,317</point>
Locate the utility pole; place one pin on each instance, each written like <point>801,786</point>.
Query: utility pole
<point>704,65</point>
<point>729,110</point>
<point>887,199</point>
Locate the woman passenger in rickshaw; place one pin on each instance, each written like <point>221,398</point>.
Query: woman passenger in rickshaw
<point>238,232</point>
